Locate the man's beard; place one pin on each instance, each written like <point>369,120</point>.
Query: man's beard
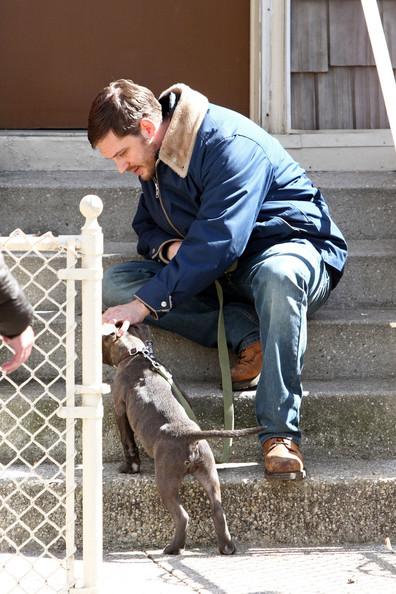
<point>149,164</point>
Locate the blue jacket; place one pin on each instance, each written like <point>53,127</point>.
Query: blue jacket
<point>227,189</point>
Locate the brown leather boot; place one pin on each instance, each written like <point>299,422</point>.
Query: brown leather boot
<point>283,459</point>
<point>246,372</point>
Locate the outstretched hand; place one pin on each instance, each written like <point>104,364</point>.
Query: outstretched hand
<point>128,314</point>
<point>22,347</point>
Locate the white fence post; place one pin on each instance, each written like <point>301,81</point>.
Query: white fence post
<point>91,252</point>
<point>70,373</point>
<point>382,60</point>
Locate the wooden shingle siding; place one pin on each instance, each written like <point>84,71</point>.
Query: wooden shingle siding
<point>369,106</point>
<point>335,99</point>
<point>389,20</point>
<point>303,96</point>
<point>309,34</point>
<point>349,40</point>
<point>334,82</point>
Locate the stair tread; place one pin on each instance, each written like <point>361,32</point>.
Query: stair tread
<point>358,315</point>
<point>354,179</point>
<point>196,389</point>
<point>357,247</point>
<point>111,178</point>
<point>322,388</point>
<point>378,248</point>
<point>70,179</point>
<point>372,247</point>
<point>320,470</point>
<point>341,500</point>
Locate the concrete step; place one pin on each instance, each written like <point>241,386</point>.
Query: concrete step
<point>355,418</point>
<point>341,501</point>
<point>363,204</point>
<point>369,275</point>
<point>367,281</point>
<point>57,150</point>
<point>31,430</point>
<point>50,194</point>
<point>355,343</point>
<point>37,274</point>
<point>340,418</point>
<point>351,344</point>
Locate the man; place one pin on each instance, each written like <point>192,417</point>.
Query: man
<point>221,199</point>
<point>15,319</point>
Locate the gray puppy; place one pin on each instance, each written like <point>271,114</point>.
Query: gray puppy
<point>146,407</point>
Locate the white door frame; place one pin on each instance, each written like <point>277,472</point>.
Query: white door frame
<point>270,64</point>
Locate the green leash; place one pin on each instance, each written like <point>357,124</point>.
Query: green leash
<point>177,392</point>
<point>159,368</point>
<point>226,381</point>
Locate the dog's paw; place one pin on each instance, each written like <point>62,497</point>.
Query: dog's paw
<point>126,468</point>
<point>228,549</point>
<point>170,549</point>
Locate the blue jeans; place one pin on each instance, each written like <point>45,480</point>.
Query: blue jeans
<point>267,297</point>
<point>195,319</point>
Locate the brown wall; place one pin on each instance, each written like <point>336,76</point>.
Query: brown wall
<point>56,55</point>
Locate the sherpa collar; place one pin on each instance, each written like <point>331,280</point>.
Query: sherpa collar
<point>179,140</point>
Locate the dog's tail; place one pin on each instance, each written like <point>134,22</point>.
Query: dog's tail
<point>225,433</point>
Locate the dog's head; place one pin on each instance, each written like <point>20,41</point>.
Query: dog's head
<point>115,348</point>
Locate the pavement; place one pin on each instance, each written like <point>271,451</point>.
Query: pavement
<point>360,569</point>
<point>255,570</point>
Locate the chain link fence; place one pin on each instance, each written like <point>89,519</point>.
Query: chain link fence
<point>38,411</point>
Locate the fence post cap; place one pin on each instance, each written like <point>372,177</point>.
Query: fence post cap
<point>91,206</point>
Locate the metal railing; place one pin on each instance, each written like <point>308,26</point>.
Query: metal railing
<point>38,412</point>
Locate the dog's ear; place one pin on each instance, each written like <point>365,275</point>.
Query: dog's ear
<point>108,329</point>
<point>109,337</point>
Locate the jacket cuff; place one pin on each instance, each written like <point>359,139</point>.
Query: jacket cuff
<point>154,299</point>
<point>163,250</point>
<point>153,313</point>
<point>159,254</point>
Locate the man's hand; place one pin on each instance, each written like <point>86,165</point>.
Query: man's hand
<point>172,250</point>
<point>128,314</point>
<point>22,347</point>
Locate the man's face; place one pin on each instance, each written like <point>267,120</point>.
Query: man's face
<point>131,153</point>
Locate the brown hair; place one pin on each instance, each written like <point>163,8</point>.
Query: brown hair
<point>120,107</point>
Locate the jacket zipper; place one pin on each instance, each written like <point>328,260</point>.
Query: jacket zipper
<point>159,197</point>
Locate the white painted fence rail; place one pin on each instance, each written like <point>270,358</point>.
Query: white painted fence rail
<point>40,483</point>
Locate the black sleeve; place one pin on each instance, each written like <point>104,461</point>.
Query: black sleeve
<point>15,311</point>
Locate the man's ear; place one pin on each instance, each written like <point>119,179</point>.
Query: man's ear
<point>147,129</point>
